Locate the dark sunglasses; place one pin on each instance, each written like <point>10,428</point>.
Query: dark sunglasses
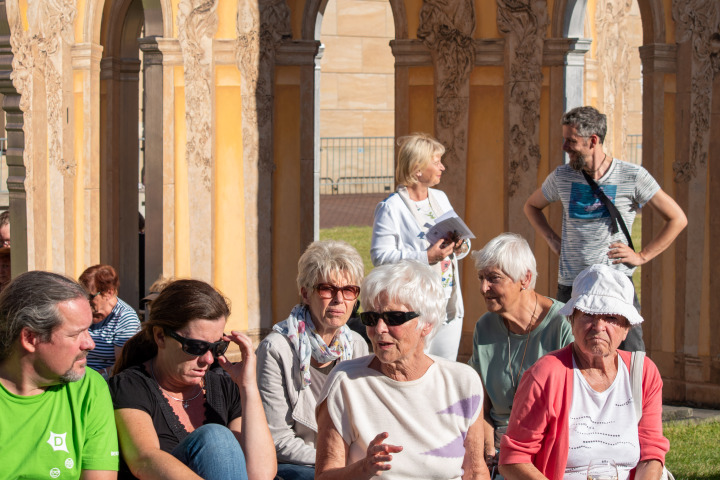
<point>349,292</point>
<point>391,319</point>
<point>198,348</point>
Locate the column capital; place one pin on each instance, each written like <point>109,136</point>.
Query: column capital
<point>565,51</point>
<point>152,55</point>
<point>86,55</point>
<point>297,53</point>
<point>659,58</point>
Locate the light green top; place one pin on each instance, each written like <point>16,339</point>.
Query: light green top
<point>490,357</point>
<point>59,433</point>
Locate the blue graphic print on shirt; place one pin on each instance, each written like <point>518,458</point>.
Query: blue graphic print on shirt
<point>584,204</point>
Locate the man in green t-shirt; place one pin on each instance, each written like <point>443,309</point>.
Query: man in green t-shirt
<point>56,419</point>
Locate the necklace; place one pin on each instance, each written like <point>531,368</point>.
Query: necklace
<point>599,166</point>
<point>513,379</point>
<point>185,401</point>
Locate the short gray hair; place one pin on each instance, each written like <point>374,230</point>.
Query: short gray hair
<point>510,253</point>
<point>409,283</point>
<point>31,301</point>
<point>325,259</point>
<point>588,121</point>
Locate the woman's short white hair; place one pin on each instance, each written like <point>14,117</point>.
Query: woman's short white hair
<point>510,253</point>
<point>408,283</point>
<point>323,260</point>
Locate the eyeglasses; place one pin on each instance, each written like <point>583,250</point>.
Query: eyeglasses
<point>349,292</point>
<point>198,348</point>
<point>392,319</point>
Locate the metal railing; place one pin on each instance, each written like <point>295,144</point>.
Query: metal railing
<point>356,165</point>
<point>634,149</point>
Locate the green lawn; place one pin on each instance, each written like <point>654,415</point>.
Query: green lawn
<point>694,452</point>
<point>358,237</point>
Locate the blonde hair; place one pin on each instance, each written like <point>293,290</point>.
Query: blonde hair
<point>416,153</point>
<point>323,260</point>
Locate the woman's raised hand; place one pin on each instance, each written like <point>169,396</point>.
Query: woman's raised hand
<point>243,372</point>
<point>379,455</point>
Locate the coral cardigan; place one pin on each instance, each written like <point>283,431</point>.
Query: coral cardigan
<point>538,429</point>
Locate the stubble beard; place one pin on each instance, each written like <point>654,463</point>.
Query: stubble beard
<point>73,375</point>
<point>577,162</point>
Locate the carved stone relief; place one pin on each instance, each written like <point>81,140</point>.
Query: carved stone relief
<point>197,23</point>
<point>261,28</point>
<point>41,52</point>
<point>614,58</point>
<point>524,22</point>
<point>446,28</point>
<point>698,22</point>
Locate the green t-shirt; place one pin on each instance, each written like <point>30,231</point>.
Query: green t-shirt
<point>59,433</point>
<point>490,357</point>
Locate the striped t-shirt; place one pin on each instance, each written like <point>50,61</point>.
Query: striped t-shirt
<point>586,236</point>
<point>113,331</point>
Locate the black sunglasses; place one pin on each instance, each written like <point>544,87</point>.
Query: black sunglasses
<point>198,348</point>
<point>392,319</point>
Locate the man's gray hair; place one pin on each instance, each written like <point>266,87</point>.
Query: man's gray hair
<point>409,283</point>
<point>510,253</point>
<point>588,121</point>
<point>31,300</point>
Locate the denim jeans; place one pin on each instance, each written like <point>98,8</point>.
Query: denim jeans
<point>213,452</point>
<point>290,471</point>
<point>634,341</point>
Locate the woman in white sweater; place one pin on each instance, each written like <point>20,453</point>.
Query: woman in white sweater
<point>403,219</point>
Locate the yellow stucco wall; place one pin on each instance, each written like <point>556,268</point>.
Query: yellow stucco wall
<point>286,191</point>
<point>229,259</point>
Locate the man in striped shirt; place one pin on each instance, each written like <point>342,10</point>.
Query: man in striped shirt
<point>588,233</point>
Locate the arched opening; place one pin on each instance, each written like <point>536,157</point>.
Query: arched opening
<point>357,126</point>
<point>120,133</point>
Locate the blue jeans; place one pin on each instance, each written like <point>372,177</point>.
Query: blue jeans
<point>290,471</point>
<point>213,452</point>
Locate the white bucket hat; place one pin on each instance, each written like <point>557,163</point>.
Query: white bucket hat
<point>602,289</point>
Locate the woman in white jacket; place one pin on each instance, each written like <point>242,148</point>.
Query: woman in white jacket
<point>403,219</point>
<point>295,359</point>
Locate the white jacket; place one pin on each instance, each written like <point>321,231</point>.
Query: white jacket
<point>397,236</point>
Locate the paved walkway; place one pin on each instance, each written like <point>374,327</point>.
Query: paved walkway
<point>672,413</point>
<point>347,210</point>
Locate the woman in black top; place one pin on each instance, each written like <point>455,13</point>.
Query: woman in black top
<point>175,417</point>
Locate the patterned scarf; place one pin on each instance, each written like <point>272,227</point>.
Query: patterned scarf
<point>299,328</point>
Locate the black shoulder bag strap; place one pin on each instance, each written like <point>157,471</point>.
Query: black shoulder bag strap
<point>612,209</point>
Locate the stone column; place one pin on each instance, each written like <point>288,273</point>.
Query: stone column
<point>197,23</point>
<point>86,60</point>
<point>524,24</point>
<point>698,24</point>
<point>12,105</point>
<point>658,61</point>
<point>446,28</point>
<point>261,28</point>
<point>153,121</point>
